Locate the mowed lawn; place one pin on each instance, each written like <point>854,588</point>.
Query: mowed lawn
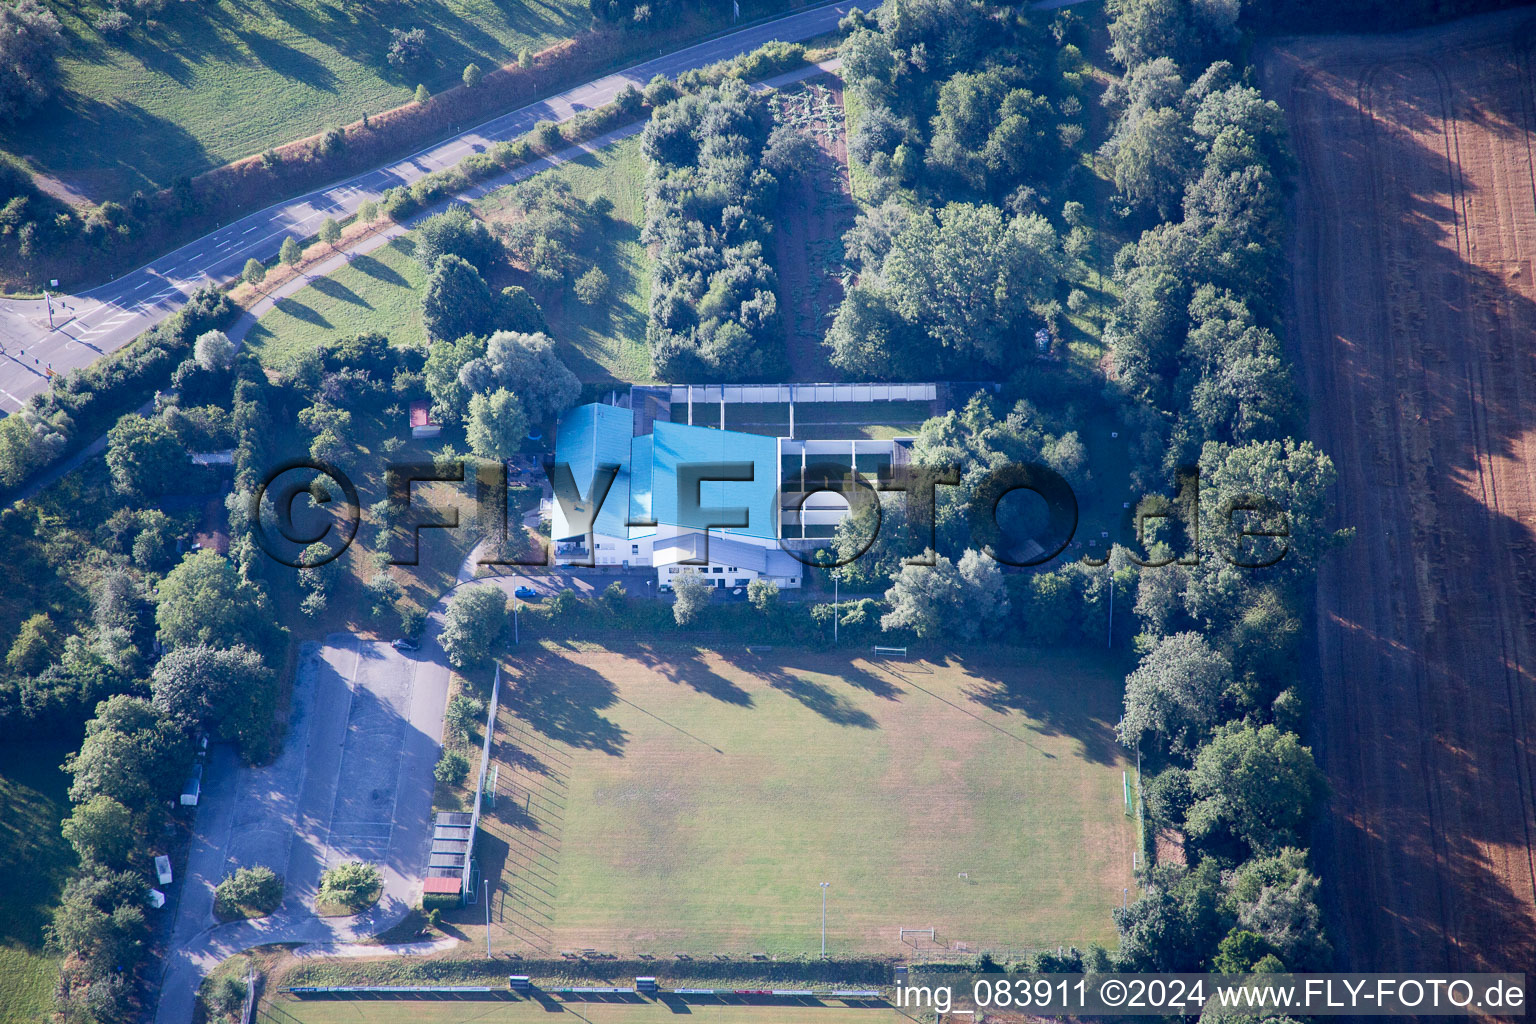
<point>379,291</point>
<point>671,800</point>
<point>286,1010</point>
<point>223,79</point>
<point>35,860</point>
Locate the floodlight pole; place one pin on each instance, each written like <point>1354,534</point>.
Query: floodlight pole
<point>824,917</point>
<point>836,576</point>
<point>515,635</point>
<point>487,918</point>
<point>1109,632</point>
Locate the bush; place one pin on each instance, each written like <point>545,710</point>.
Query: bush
<point>592,287</point>
<point>407,48</point>
<point>452,768</point>
<point>353,885</point>
<point>422,95</point>
<point>546,136</point>
<point>249,892</point>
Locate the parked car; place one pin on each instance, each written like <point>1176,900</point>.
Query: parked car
<point>526,592</point>
<point>405,644</point>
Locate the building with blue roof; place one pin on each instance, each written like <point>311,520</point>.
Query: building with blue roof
<point>687,498</point>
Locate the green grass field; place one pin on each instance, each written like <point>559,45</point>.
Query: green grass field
<point>36,860</point>
<point>380,291</point>
<point>670,800</point>
<point>221,80</point>
<point>286,1010</point>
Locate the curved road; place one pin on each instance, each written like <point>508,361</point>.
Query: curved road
<point>88,326</point>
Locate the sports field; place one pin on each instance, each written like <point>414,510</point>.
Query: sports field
<point>286,1010</point>
<point>666,799</point>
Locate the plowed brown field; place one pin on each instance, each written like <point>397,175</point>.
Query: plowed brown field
<point>1414,322</point>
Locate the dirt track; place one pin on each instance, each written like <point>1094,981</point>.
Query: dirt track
<point>1414,323</point>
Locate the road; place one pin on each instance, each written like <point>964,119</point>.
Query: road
<point>88,326</point>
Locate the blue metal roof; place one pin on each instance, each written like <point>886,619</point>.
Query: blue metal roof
<point>594,435</point>
<point>676,444</point>
<point>590,436</point>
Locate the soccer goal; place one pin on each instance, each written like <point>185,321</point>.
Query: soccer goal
<point>915,933</point>
<point>890,652</point>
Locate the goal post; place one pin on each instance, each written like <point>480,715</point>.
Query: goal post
<point>902,933</point>
<point>890,652</point>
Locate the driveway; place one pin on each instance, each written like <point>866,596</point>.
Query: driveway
<point>106,318</point>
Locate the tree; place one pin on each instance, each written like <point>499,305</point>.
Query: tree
<point>1176,692</point>
<point>30,41</point>
<point>764,594</point>
<point>353,884</point>
<point>476,618</point>
<point>1175,922</point>
<point>472,75</point>
<point>455,232</point>
<point>692,596</point>
<point>451,769</point>
<point>497,424</point>
<point>330,232</point>
<point>249,892</point>
<point>36,643</point>
<point>463,715</point>
<point>592,287</point>
<point>1239,951</point>
<point>214,351</point>
<point>1260,785</point>
<point>961,601</point>
<point>367,211</point>
<point>254,271</point>
<point>290,253</point>
<point>527,365</point>
<point>101,831</point>
<point>407,47</point>
<point>456,301</point>
<point>144,457</point>
<point>130,753</point>
<point>422,96</point>
<point>517,312</point>
<point>1276,898</point>
<point>229,691</point>
<point>446,360</point>
<point>1295,478</point>
<point>100,918</point>
<point>204,600</point>
<point>968,276</point>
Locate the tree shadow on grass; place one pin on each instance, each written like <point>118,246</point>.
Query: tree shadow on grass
<point>299,311</point>
<point>689,668</point>
<point>1084,709</point>
<point>336,290</point>
<point>290,63</point>
<point>563,700</point>
<point>823,701</point>
<point>379,271</point>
